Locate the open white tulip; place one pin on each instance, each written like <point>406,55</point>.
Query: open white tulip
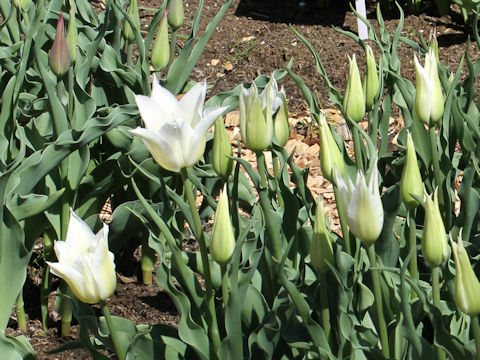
<point>363,204</point>
<point>175,130</point>
<point>84,262</point>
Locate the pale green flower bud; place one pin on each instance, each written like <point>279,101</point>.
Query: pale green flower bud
<point>256,123</point>
<point>363,205</point>
<point>222,149</point>
<point>22,5</point>
<point>429,104</point>
<point>59,57</point>
<point>72,36</point>
<point>222,243</point>
<point>467,286</point>
<point>161,46</point>
<point>321,251</point>
<point>411,182</point>
<point>354,99</point>
<point>282,129</point>
<point>434,238</point>
<point>128,33</point>
<point>175,14</point>
<point>371,83</point>
<point>330,155</point>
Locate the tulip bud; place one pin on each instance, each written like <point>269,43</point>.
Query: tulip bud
<point>161,46</point>
<point>175,14</point>
<point>467,286</point>
<point>321,251</point>
<point>354,99</point>
<point>72,36</point>
<point>256,124</point>
<point>128,33</point>
<point>370,85</point>
<point>222,149</point>
<point>429,104</point>
<point>363,204</point>
<point>22,5</point>
<point>59,58</point>
<point>282,129</point>
<point>411,182</point>
<point>434,238</point>
<point>222,243</point>
<point>330,156</point>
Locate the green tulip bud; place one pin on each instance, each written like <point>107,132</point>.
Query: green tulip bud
<point>222,243</point>
<point>128,33</point>
<point>434,238</point>
<point>175,14</point>
<point>59,58</point>
<point>256,123</point>
<point>72,36</point>
<point>467,286</point>
<point>222,149</point>
<point>330,155</point>
<point>429,104</point>
<point>22,5</point>
<point>282,129</point>
<point>354,99</point>
<point>411,182</point>
<point>371,83</point>
<point>321,251</point>
<point>161,46</point>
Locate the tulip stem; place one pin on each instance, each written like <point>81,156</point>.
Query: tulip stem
<point>358,145</point>
<point>46,278</point>
<point>211,316</point>
<point>173,48</point>
<point>70,94</point>
<point>113,333</point>
<point>476,334</point>
<point>266,207</point>
<point>436,170</point>
<point>224,285</point>
<point>412,238</point>
<point>436,301</point>
<point>130,54</point>
<point>343,220</point>
<point>276,176</point>
<point>382,326</point>
<point>373,125</point>
<point>65,306</point>
<point>324,304</point>
<point>149,257</point>
<point>20,309</point>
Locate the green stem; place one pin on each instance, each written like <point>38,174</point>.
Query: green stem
<point>211,316</point>
<point>130,54</point>
<point>436,301</point>
<point>358,145</point>
<point>373,125</point>
<point>70,94</point>
<point>412,238</point>
<point>65,309</point>
<point>224,285</point>
<point>276,176</point>
<point>382,326</point>
<point>324,305</point>
<point>273,233</point>
<point>113,333</point>
<point>343,220</point>
<point>46,278</point>
<point>436,170</point>
<point>476,334</point>
<point>149,257</point>
<point>20,309</point>
<point>173,48</point>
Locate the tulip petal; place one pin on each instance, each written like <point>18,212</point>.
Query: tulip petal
<point>79,234</point>
<point>104,271</point>
<point>190,106</point>
<point>164,99</point>
<point>154,115</point>
<point>161,150</point>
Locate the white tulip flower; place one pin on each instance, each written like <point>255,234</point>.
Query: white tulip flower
<point>175,130</point>
<point>84,262</point>
<point>363,204</point>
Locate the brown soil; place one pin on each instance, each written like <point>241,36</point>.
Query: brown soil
<point>252,39</point>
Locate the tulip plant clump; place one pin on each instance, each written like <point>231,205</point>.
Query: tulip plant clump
<point>83,121</point>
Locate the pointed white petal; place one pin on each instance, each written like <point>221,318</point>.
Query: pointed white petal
<point>79,235</point>
<point>191,104</point>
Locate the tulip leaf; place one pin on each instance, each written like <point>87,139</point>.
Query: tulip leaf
<point>16,348</point>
